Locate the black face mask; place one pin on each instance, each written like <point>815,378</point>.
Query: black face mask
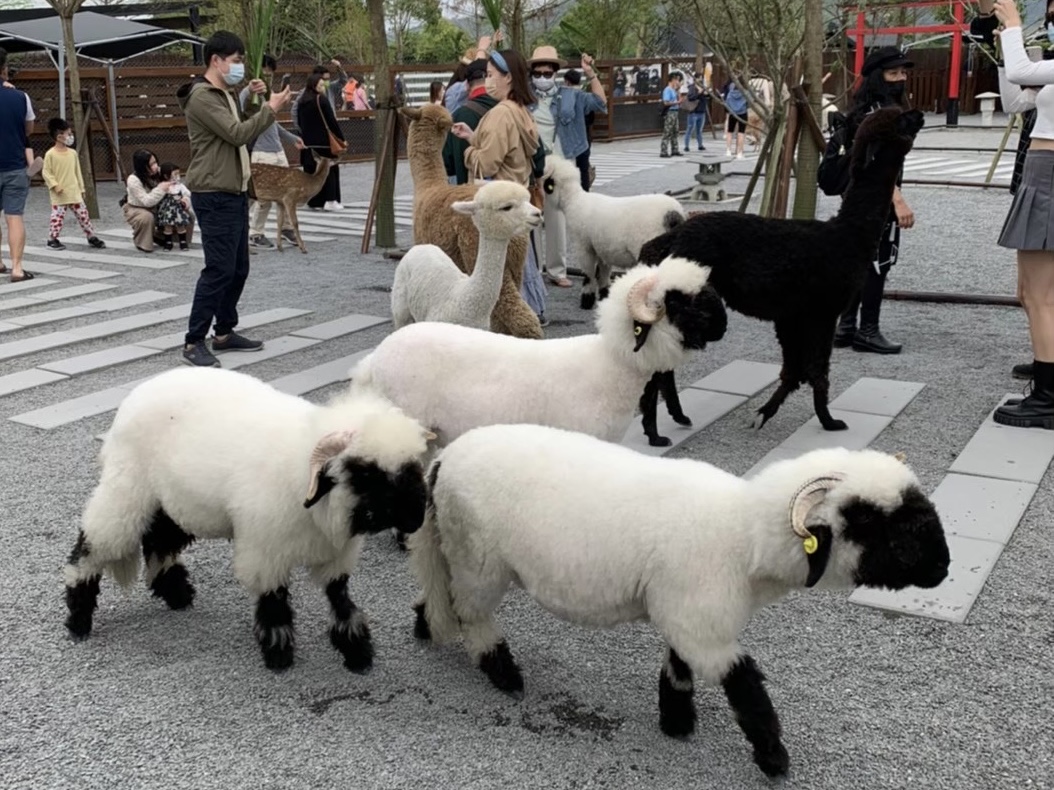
<point>893,91</point>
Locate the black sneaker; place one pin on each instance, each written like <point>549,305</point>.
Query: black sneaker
<point>235,342</point>
<point>96,242</point>
<point>55,244</point>
<point>259,240</point>
<point>199,356</point>
<point>289,236</point>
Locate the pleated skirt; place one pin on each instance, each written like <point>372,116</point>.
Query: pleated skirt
<point>1029,224</point>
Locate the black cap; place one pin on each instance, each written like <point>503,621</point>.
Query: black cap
<point>573,77</point>
<point>885,58</point>
<point>476,70</point>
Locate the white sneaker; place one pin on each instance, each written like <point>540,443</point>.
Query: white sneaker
<point>739,155</point>
<point>728,152</point>
<point>333,205</point>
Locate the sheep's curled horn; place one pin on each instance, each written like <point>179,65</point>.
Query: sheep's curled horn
<point>643,313</point>
<point>329,447</point>
<point>817,541</point>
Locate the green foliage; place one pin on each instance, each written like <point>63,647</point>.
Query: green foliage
<point>319,28</point>
<point>606,28</point>
<point>439,42</point>
<point>493,10</point>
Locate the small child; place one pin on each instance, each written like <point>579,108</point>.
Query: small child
<point>174,209</point>
<point>62,174</point>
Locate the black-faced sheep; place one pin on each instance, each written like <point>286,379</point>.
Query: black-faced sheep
<point>207,453</point>
<point>620,537</point>
<point>799,274</point>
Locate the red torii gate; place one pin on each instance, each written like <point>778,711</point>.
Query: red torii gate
<point>956,29</point>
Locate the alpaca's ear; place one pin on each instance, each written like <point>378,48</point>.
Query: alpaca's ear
<point>464,207</point>
<point>413,113</point>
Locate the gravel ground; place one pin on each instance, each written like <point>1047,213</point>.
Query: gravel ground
<point>181,699</point>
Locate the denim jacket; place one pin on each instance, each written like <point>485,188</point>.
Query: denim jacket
<point>569,107</point>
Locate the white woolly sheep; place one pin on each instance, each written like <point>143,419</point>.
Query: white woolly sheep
<point>605,232</point>
<point>453,378</point>
<point>430,287</point>
<point>620,537</point>
<point>209,453</point>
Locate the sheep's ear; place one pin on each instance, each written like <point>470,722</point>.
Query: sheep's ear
<point>321,486</point>
<point>464,207</point>
<point>549,185</point>
<point>817,552</point>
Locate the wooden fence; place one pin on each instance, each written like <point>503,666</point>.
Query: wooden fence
<point>148,115</point>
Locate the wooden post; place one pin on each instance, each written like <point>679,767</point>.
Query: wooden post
<point>389,141</point>
<point>790,145</point>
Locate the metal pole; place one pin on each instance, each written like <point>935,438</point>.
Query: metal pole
<point>990,300</point>
<point>113,115</point>
<point>62,82</point>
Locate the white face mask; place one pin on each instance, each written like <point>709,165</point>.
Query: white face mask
<point>544,84</point>
<point>1050,32</point>
<point>235,75</point>
<point>69,139</point>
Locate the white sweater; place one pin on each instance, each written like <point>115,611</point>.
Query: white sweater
<point>1019,71</point>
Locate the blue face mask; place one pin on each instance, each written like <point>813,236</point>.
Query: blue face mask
<point>235,75</point>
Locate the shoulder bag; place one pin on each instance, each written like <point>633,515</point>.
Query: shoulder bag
<point>336,145</point>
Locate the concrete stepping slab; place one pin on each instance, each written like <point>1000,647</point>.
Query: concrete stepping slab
<point>315,226</point>
<point>43,297</point>
<point>89,308</point>
<point>972,561</point>
<point>887,397</point>
<point>262,318</point>
<point>73,272</point>
<point>309,237</point>
<point>72,410</point>
<point>863,429</point>
<point>8,287</point>
<point>277,347</point>
<point>97,360</point>
<point>27,379</point>
<point>339,327</point>
<point>704,407</point>
<point>740,377</point>
<point>982,507</point>
<point>81,256</point>
<point>779,453</point>
<point>48,316</point>
<point>1021,454</point>
<point>319,376</point>
<point>127,246</point>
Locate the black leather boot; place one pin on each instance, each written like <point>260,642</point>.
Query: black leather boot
<point>1037,408</point>
<point>868,337</point>
<point>843,335</point>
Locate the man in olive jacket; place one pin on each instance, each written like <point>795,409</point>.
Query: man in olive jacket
<point>218,178</point>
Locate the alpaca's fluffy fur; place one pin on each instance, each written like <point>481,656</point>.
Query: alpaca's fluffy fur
<point>605,232</point>
<point>621,537</point>
<point>206,453</point>
<point>799,274</point>
<point>430,287</point>
<point>435,222</point>
<point>452,378</point>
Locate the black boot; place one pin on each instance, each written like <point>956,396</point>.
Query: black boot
<point>1037,409</point>
<point>843,335</point>
<point>868,337</point>
<point>1023,371</point>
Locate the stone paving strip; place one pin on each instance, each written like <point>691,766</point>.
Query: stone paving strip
<point>100,402</point>
<point>981,500</point>
<point>88,308</point>
<point>35,299</point>
<point>83,256</point>
<point>127,246</point>
<point>7,287</point>
<point>73,272</point>
<point>705,401</point>
<point>195,250</point>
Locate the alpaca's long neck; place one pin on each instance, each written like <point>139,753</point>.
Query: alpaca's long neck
<point>489,270</point>
<point>426,166</point>
<point>865,207</point>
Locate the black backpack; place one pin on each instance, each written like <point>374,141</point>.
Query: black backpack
<point>832,176</point>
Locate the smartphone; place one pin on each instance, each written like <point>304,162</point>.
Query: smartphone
<point>286,79</point>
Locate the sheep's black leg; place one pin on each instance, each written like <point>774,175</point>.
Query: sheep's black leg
<point>83,595</point>
<point>163,541</point>
<point>274,628</point>
<point>422,630</point>
<point>792,341</point>
<point>668,390</point>
<point>817,372</point>
<point>499,665</point>
<point>772,405</point>
<point>349,632</point>
<point>820,394</point>
<point>676,708</point>
<point>745,690</point>
<point>649,407</point>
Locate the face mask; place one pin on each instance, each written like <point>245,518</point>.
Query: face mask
<point>175,179</point>
<point>323,86</point>
<point>1050,32</point>
<point>235,75</point>
<point>69,139</point>
<point>488,84</point>
<point>544,84</point>
<point>895,90</point>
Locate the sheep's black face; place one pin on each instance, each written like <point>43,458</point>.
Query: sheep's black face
<point>386,499</point>
<point>700,317</point>
<point>899,548</point>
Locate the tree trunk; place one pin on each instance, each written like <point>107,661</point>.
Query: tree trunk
<point>808,154</point>
<point>517,33</point>
<point>91,202</point>
<point>384,156</point>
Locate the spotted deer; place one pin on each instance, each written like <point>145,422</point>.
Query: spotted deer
<point>289,187</point>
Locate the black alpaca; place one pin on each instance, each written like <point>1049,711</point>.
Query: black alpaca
<point>799,274</point>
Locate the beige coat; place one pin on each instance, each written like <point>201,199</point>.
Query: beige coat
<point>504,145</point>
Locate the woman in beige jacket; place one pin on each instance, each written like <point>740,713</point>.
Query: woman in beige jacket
<point>145,191</point>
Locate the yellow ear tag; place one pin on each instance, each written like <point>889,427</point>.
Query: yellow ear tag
<point>811,544</point>
<point>637,330</point>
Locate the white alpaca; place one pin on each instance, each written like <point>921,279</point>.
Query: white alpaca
<point>430,287</point>
<point>605,232</point>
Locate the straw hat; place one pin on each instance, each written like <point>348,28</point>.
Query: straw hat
<point>545,55</point>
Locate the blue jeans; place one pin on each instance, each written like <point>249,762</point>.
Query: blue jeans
<point>224,222</point>
<point>696,121</point>
<point>533,288</point>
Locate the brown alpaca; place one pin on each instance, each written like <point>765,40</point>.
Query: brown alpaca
<point>436,223</point>
<point>289,187</point>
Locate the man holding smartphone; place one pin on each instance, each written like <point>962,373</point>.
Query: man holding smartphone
<point>268,150</point>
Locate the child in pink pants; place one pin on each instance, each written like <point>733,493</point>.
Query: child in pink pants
<point>62,174</point>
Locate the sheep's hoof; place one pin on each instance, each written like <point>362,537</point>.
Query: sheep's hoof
<point>422,630</point>
<point>400,539</point>
<point>355,646</point>
<point>759,421</point>
<point>603,294</point>
<point>173,587</point>
<point>659,441</point>
<point>278,658</point>
<point>499,665</point>
<point>79,626</point>
<point>775,764</point>
<point>587,301</point>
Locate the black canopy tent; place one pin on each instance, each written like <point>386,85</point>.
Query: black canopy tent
<point>97,37</point>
